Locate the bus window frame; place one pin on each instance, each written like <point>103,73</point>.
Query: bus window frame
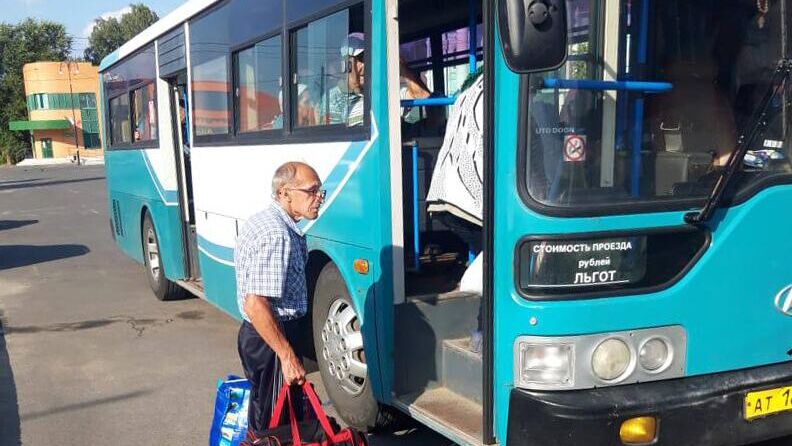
<point>638,206</point>
<point>270,135</point>
<point>131,87</point>
<point>437,62</point>
<point>111,143</point>
<point>132,145</point>
<point>147,143</point>
<point>288,134</point>
<point>332,132</point>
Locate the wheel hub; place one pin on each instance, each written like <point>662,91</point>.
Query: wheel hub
<point>343,347</point>
<point>152,252</point>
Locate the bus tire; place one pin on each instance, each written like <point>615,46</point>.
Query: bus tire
<point>339,354</point>
<point>163,288</point>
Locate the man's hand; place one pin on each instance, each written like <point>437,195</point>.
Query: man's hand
<point>258,310</point>
<point>293,371</point>
<point>416,89</point>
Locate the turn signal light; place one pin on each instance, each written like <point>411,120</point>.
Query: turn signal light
<point>361,266</point>
<point>638,430</point>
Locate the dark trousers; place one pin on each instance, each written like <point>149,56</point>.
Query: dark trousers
<point>263,369</point>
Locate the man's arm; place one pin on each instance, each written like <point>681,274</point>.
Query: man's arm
<point>259,312</point>
<point>416,89</point>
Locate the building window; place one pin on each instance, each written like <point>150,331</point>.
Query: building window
<point>328,88</point>
<point>91,140</point>
<point>120,128</point>
<point>144,113</point>
<point>87,100</point>
<point>258,91</point>
<point>41,101</point>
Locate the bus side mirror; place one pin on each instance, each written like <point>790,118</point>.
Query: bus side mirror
<point>533,34</point>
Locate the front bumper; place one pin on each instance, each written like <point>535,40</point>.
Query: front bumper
<point>700,410</point>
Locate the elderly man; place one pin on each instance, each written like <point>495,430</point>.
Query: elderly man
<point>270,259</point>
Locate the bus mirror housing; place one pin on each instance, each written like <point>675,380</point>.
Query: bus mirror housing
<point>533,34</point>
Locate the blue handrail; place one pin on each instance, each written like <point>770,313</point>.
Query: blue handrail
<point>416,215</point>
<point>646,87</point>
<point>428,102</point>
<point>472,38</point>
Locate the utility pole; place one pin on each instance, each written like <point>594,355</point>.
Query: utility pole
<point>68,63</point>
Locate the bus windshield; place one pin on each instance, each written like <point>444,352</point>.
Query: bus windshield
<point>652,100</point>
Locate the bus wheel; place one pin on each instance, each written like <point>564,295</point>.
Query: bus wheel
<point>163,288</point>
<point>340,355</point>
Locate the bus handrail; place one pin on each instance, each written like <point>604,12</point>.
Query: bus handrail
<point>428,102</point>
<point>587,84</point>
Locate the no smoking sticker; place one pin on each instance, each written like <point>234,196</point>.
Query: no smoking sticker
<point>574,148</point>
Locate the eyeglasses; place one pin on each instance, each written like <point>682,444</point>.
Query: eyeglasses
<point>321,193</point>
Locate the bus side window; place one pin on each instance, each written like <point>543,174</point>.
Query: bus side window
<point>258,91</point>
<point>328,86</point>
<point>144,113</point>
<point>119,120</point>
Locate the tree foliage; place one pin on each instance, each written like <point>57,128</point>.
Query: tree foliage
<point>110,33</point>
<point>29,41</point>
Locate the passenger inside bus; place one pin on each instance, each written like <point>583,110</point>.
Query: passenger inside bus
<point>345,99</point>
<point>345,104</point>
<point>442,140</point>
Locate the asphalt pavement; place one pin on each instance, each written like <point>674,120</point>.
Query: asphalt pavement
<point>88,356</point>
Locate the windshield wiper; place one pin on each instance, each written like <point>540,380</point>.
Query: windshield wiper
<point>755,127</point>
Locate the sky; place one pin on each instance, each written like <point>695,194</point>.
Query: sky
<point>76,15</point>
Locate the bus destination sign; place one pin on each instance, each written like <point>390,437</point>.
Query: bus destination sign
<point>565,264</point>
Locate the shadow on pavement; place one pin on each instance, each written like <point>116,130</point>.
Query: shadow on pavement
<point>15,256</point>
<point>48,183</point>
<point>8,182</point>
<point>10,433</point>
<point>13,224</point>
<point>85,404</point>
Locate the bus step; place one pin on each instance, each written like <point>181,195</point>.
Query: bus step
<point>462,369</point>
<point>193,286</point>
<point>448,413</point>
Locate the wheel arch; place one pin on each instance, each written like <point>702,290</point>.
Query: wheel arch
<point>317,259</point>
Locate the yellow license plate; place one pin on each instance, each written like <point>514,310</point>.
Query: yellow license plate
<point>767,402</point>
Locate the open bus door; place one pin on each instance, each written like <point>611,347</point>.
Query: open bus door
<point>180,107</point>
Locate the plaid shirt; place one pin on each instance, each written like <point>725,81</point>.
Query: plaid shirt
<point>342,107</point>
<point>270,258</point>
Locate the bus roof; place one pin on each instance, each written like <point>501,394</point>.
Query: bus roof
<point>163,25</point>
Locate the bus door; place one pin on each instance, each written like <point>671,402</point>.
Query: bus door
<point>182,140</point>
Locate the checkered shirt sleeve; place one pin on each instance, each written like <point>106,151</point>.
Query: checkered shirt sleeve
<point>266,266</point>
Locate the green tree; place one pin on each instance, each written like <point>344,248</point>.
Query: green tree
<point>109,34</point>
<point>29,41</point>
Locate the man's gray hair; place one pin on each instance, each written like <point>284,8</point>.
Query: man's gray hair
<point>284,175</point>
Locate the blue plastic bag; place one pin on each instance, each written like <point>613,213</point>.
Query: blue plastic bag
<point>230,422</point>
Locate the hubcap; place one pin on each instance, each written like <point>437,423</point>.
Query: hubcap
<point>343,347</point>
<point>152,252</point>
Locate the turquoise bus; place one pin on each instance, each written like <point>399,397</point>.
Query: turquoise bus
<point>591,248</point>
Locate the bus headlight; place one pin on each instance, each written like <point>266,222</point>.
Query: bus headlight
<point>596,360</point>
<point>654,354</point>
<point>546,365</point>
<point>611,359</point>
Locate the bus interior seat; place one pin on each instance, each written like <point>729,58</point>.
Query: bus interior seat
<point>685,140</point>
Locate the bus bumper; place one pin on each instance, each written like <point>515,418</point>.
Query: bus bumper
<point>696,410</point>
